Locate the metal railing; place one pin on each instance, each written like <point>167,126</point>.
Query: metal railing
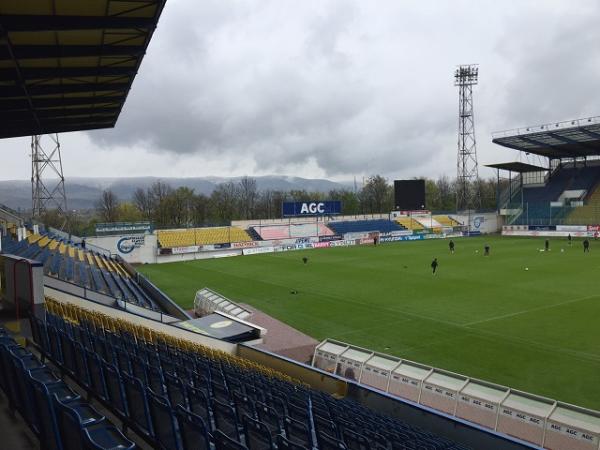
<point>547,127</point>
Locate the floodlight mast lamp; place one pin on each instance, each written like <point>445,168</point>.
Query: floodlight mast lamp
<point>467,173</point>
<point>47,180</point>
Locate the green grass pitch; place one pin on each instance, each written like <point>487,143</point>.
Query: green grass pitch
<point>536,330</point>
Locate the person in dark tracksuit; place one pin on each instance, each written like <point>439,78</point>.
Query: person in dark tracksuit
<point>569,238</point>
<point>434,265</point>
<point>451,246</point>
<point>586,246</point>
<point>547,245</point>
<point>486,250</point>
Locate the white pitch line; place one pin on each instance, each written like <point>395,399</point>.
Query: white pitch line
<point>525,311</point>
<point>373,327</point>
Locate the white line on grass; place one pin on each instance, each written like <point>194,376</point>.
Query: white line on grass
<point>526,311</point>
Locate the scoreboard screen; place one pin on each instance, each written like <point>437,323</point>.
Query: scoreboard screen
<point>409,195</point>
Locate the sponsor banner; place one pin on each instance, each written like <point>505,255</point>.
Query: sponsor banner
<point>291,209</point>
<point>225,254</point>
<point>473,233</point>
<point>593,227</point>
<point>223,245</point>
<point>515,227</point>
<point>333,237</point>
<point>321,244</point>
<point>439,391</point>
<point>356,235</point>
<point>572,433</point>
<point>542,227</point>
<point>123,227</point>
<point>421,212</point>
<point>182,250</point>
<point>522,417</point>
<point>286,248</point>
<point>127,244</point>
<point>342,243</point>
<point>365,241</point>
<point>248,244</point>
<point>257,250</point>
<point>305,245</point>
<point>396,233</point>
<point>547,233</point>
<point>571,228</point>
<point>302,240</point>
<point>475,402</point>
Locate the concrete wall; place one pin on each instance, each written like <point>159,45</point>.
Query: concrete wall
<point>161,327</point>
<point>484,223</point>
<point>133,248</point>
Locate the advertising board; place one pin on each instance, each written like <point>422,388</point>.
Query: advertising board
<point>311,208</point>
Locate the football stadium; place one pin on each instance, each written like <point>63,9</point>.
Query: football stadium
<point>404,329</point>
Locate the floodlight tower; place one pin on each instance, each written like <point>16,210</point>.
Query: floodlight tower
<point>467,175</point>
<point>47,180</point>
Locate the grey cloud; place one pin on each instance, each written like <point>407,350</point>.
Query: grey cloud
<point>357,87</point>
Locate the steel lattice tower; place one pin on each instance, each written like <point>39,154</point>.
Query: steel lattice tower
<point>467,174</point>
<point>47,180</point>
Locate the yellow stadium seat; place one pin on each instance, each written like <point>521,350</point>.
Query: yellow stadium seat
<point>446,221</point>
<point>201,236</point>
<point>409,223</point>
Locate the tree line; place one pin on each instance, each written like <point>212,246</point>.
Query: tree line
<point>181,207</point>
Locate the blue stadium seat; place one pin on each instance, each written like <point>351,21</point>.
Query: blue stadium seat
<point>224,442</point>
<point>137,404</point>
<point>226,419</point>
<point>114,388</point>
<point>105,437</point>
<point>357,226</point>
<point>269,417</point>
<point>257,435</point>
<point>72,417</point>
<point>298,432</point>
<point>285,444</point>
<point>163,422</point>
<point>192,430</point>
<point>178,398</point>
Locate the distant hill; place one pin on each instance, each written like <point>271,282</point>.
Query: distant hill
<point>82,192</point>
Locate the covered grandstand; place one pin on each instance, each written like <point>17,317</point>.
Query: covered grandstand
<point>562,192</point>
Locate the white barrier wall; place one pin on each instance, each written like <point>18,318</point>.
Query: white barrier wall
<point>483,223</point>
<point>542,421</point>
<point>133,248</point>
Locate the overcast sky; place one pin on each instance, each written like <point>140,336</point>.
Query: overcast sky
<point>337,88</point>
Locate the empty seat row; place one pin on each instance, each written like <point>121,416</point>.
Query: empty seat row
<point>164,392</point>
<point>56,414</point>
<point>85,269</point>
<point>357,226</point>
<point>201,236</point>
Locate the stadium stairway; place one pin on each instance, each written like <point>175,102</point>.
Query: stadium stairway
<point>446,221</point>
<point>409,223</point>
<point>254,234</point>
<point>357,226</point>
<point>182,396</point>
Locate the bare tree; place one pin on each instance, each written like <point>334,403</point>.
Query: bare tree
<point>248,195</point>
<point>108,206</point>
<point>142,202</point>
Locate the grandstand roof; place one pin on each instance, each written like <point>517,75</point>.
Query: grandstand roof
<point>569,139</point>
<point>68,65</point>
<point>517,166</point>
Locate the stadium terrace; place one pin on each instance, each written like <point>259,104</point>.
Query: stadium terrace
<point>405,329</point>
